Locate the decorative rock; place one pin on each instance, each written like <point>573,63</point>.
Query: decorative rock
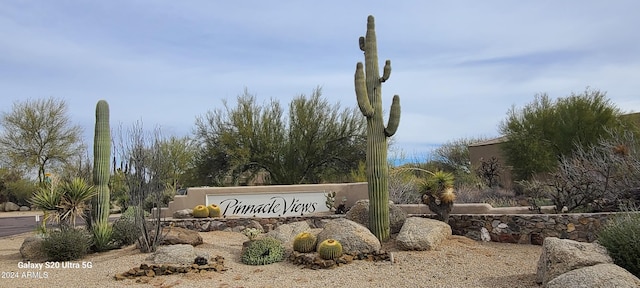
<point>2,207</point>
<point>174,254</point>
<point>285,233</point>
<point>359,213</point>
<point>597,276</point>
<point>422,234</point>
<point>31,249</point>
<point>355,238</point>
<point>177,235</point>
<point>562,255</point>
<point>484,235</point>
<point>145,270</point>
<point>10,207</point>
<point>182,214</point>
<point>24,208</point>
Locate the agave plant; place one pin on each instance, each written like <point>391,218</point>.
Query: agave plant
<point>102,236</point>
<point>75,199</point>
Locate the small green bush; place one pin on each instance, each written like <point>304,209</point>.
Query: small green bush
<point>621,237</point>
<point>263,251</point>
<point>130,213</point>
<point>125,231</point>
<point>151,200</point>
<point>67,244</point>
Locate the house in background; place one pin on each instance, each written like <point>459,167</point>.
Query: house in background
<point>486,150</point>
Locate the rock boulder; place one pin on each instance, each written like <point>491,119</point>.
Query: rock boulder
<point>422,234</point>
<point>286,232</point>
<point>182,254</point>
<point>359,213</point>
<point>178,235</point>
<point>183,214</point>
<point>597,276</point>
<point>31,249</point>
<point>354,237</point>
<point>563,255</point>
<point>10,207</point>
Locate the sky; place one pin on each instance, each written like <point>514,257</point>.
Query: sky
<point>458,66</point>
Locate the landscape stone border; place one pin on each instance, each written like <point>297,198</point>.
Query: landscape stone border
<point>505,228</point>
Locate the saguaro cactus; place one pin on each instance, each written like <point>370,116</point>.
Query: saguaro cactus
<point>369,94</point>
<point>101,158</point>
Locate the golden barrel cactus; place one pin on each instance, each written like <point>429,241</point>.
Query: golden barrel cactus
<point>330,249</point>
<point>304,242</point>
<point>200,211</point>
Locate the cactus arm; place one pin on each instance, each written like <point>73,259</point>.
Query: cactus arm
<point>361,92</point>
<point>386,72</point>
<point>394,117</point>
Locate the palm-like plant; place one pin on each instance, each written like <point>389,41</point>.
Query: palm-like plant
<point>47,198</point>
<point>437,193</point>
<point>75,199</point>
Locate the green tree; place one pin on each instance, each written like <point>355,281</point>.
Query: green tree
<point>454,154</point>
<point>312,140</point>
<point>39,134</point>
<point>545,130</point>
<point>176,155</point>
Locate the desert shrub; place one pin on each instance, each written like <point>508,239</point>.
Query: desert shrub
<point>66,244</point>
<point>403,187</point>
<point>599,178</point>
<point>130,213</point>
<point>151,201</point>
<point>468,194</point>
<point>621,237</point>
<point>125,231</point>
<point>263,251</point>
<point>20,191</point>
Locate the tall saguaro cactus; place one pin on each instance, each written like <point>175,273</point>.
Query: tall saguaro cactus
<point>101,158</point>
<point>369,94</point>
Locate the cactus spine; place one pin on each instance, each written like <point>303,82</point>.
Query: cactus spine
<point>368,86</point>
<point>101,158</point>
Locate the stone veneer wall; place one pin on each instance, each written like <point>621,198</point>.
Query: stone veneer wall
<point>510,228</point>
<point>529,228</point>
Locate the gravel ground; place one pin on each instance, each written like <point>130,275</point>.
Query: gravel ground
<point>459,262</point>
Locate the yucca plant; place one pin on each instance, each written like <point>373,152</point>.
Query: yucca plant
<point>437,193</point>
<point>75,199</point>
<point>47,198</point>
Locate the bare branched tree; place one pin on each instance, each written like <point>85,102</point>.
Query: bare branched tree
<point>136,147</point>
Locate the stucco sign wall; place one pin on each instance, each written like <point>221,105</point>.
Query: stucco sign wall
<point>269,204</point>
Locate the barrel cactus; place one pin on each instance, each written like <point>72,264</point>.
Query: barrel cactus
<point>368,86</point>
<point>200,211</point>
<point>214,210</point>
<point>263,251</point>
<point>304,242</point>
<point>330,249</point>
